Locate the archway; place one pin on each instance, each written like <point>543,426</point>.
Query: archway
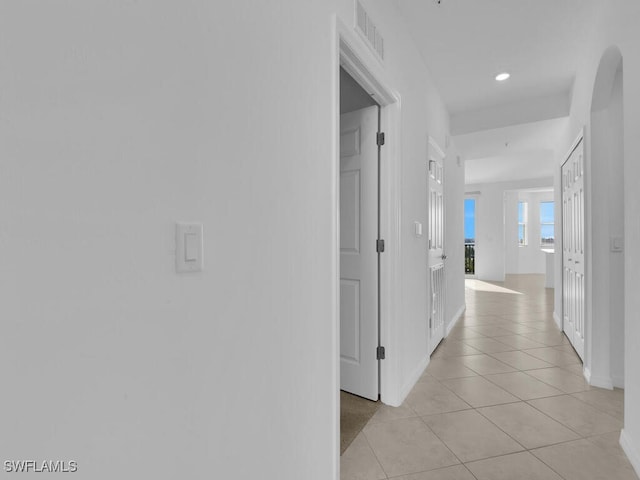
<point>605,329</point>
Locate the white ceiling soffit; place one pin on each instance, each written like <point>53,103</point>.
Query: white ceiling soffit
<point>521,166</point>
<point>465,43</point>
<point>549,189</point>
<point>516,152</point>
<point>524,111</point>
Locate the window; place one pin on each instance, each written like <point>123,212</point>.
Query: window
<point>469,220</point>
<point>547,224</point>
<point>523,213</point>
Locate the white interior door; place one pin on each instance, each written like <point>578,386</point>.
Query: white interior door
<point>573,279</point>
<point>436,246</point>
<point>358,253</point>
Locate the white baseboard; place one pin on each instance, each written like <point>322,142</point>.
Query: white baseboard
<point>456,317</point>
<point>618,381</point>
<point>413,379</point>
<point>419,370</point>
<point>597,381</point>
<point>558,320</point>
<point>601,382</point>
<point>632,451</point>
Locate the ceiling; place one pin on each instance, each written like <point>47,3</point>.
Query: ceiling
<point>512,153</point>
<point>465,43</point>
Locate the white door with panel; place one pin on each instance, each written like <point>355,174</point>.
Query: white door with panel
<point>573,279</point>
<point>358,252</point>
<point>436,245</point>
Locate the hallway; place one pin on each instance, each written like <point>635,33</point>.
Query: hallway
<point>502,398</point>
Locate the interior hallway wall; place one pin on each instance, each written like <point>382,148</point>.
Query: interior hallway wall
<point>121,118</point>
<point>613,23</point>
<point>454,235</point>
<point>616,229</point>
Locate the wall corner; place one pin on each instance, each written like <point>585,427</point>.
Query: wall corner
<point>631,450</point>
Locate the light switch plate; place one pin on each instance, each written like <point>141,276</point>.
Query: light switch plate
<point>189,254</point>
<point>617,244</point>
<point>417,229</point>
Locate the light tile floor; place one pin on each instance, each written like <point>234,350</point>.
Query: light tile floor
<point>503,398</point>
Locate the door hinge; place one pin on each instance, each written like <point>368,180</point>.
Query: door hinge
<point>380,353</point>
<point>429,322</point>
<point>380,246</point>
<point>380,139</point>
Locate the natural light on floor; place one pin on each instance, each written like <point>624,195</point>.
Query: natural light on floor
<point>480,286</point>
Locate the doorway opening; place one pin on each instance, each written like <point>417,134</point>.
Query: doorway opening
<point>359,232</point>
<point>359,258</point>
<point>354,59</point>
<point>470,237</point>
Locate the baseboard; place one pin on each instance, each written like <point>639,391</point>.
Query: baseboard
<point>631,450</point>
<point>598,381</point>
<point>413,379</point>
<point>618,382</point>
<point>419,370</point>
<point>558,320</point>
<point>455,319</point>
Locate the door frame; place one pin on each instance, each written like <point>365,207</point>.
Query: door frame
<point>352,54</point>
<point>362,370</point>
<point>475,196</point>
<point>433,146</point>
<point>587,247</point>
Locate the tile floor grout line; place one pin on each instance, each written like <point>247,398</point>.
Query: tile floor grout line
<point>455,394</point>
<point>556,420</point>
<point>442,441</point>
<point>565,392</point>
<point>522,399</point>
<point>549,466</point>
<point>592,406</point>
<point>364,434</point>
<point>512,312</point>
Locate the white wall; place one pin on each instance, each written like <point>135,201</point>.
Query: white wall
<point>511,248</point>
<point>613,24</point>
<point>490,225</point>
<point>616,229</point>
<point>454,236</point>
<point>121,118</point>
<point>528,258</point>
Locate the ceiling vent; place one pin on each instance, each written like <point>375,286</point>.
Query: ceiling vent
<point>370,32</point>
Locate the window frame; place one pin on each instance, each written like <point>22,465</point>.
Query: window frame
<point>524,242</point>
<point>553,224</point>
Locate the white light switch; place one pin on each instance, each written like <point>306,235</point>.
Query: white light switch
<point>190,247</point>
<point>617,244</point>
<point>189,256</point>
<point>417,229</point>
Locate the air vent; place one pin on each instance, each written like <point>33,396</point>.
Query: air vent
<point>368,29</point>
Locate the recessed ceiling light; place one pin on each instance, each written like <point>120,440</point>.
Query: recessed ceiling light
<point>501,77</point>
